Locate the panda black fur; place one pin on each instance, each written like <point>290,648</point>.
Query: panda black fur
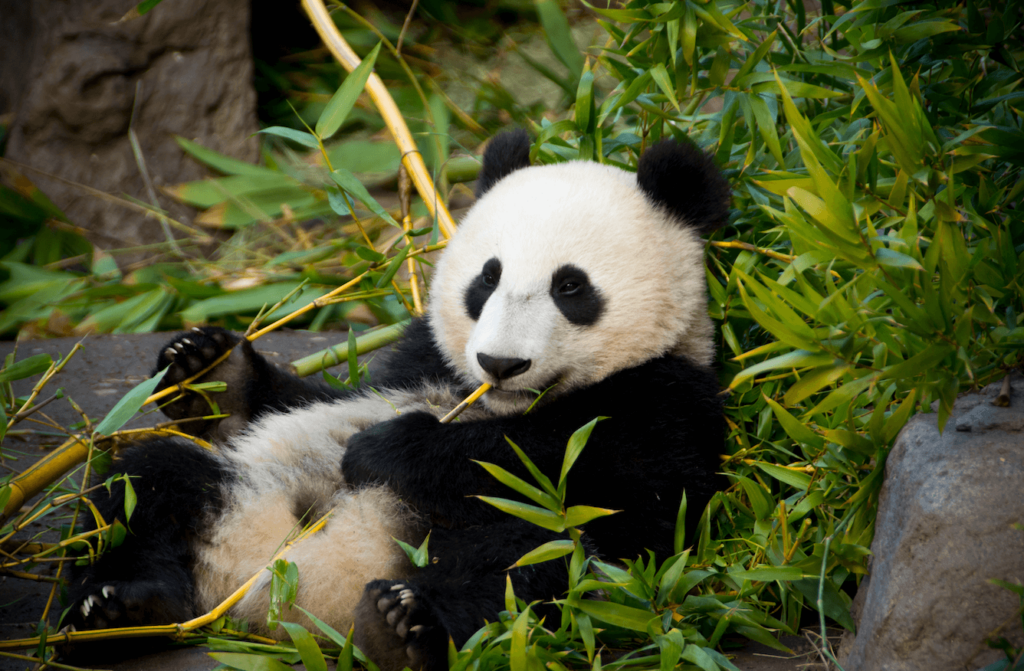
<point>576,275</point>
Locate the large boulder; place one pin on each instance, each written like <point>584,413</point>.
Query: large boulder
<point>946,527</point>
<point>73,78</point>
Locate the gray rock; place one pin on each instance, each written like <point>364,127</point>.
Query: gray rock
<point>69,76</point>
<point>945,527</point>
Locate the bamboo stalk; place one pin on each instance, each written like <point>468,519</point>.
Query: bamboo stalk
<point>411,157</point>
<point>470,400</point>
<point>40,474</point>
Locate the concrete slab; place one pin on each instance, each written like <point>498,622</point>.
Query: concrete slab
<point>96,378</point>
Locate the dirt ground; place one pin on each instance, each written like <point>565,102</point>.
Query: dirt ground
<point>96,378</point>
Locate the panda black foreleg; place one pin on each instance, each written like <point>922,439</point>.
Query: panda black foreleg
<point>148,578</point>
<point>254,385</point>
<point>408,622</point>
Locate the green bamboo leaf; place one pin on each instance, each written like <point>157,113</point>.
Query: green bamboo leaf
<point>523,487</point>
<point>129,404</point>
<point>796,89</point>
<point>680,532</point>
<point>345,97</point>
<point>577,442</point>
<point>238,660</point>
<point>689,34</point>
<point>130,499</point>
<point>918,363</point>
<point>27,367</point>
<point>756,57</point>
<point>810,383</point>
<point>541,479</point>
<point>768,574</point>
<point>899,417</point>
<point>617,614</point>
<point>579,515</point>
<point>369,254</point>
<point>393,267</point>
<point>532,514</point>
<point>299,136</point>
<point>585,100</point>
<point>833,605</point>
<point>760,500</point>
<point>225,164</point>
<point>703,658</point>
<point>670,579</point>
<point>851,441</point>
<point>312,658</point>
<point>546,552</point>
<point>844,394</point>
<point>766,126</point>
<point>518,658</point>
<point>664,82</point>
<point>795,359</point>
<point>348,181</point>
<point>797,479</point>
<point>559,37</point>
<point>793,427</point>
<point>671,646</point>
<point>920,30</point>
<point>338,638</point>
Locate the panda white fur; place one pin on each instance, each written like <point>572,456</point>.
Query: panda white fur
<point>577,277</point>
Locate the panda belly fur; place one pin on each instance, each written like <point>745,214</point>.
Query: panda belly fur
<point>285,472</point>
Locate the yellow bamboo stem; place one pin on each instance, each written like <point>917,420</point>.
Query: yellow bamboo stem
<point>74,451</point>
<point>177,631</point>
<point>470,400</point>
<point>388,110</point>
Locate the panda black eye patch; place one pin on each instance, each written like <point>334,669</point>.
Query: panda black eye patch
<point>577,299</point>
<point>481,288</point>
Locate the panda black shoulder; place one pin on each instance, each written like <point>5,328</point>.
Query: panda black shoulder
<point>684,180</point>
<point>413,359</point>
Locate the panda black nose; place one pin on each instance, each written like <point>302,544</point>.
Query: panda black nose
<point>503,368</point>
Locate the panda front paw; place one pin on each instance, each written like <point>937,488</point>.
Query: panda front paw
<point>386,451</point>
<point>100,610</point>
<point>396,628</point>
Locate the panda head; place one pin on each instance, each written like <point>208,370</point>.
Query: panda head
<point>564,274</point>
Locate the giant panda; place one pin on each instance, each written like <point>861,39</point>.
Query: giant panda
<point>577,278</point>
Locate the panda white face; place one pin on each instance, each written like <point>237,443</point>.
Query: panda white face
<point>562,275</point>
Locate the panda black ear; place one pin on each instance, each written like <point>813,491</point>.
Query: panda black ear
<point>506,152</point>
<point>684,180</point>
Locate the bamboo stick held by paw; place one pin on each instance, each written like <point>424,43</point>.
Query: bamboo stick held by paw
<point>470,400</point>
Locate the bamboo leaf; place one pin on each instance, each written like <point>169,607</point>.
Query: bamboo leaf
<point>312,658</point>
<point>794,428</point>
<point>129,404</point>
<point>617,614</point>
<point>559,37</point>
<point>299,136</point>
<point>546,552</point>
<point>345,97</point>
<point>523,487</point>
<point>532,514</point>
<point>27,367</point>
<point>579,515</point>
<point>577,442</point>
<point>348,181</point>
<point>768,574</point>
<point>794,359</point>
<point>797,479</point>
<point>237,660</point>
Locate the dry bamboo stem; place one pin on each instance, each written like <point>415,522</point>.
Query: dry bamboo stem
<point>411,157</point>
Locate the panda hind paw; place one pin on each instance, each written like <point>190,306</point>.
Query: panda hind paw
<point>102,609</point>
<point>396,627</point>
<point>107,605</point>
<point>190,352</point>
